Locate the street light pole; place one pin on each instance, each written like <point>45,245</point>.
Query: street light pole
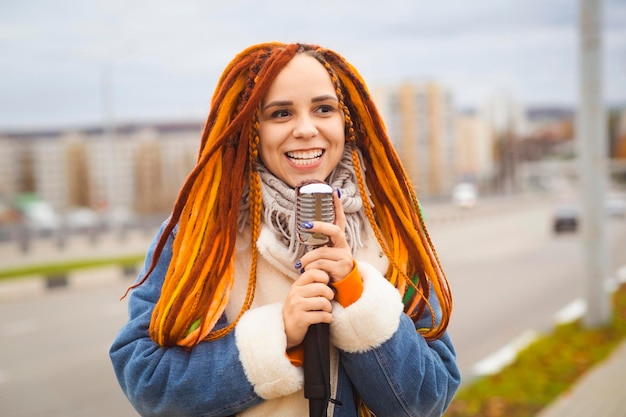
<point>592,147</point>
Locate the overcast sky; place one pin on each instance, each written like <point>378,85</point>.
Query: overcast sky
<point>161,58</point>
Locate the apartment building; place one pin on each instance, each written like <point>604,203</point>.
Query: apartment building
<point>420,119</point>
<point>137,166</point>
<point>474,149</point>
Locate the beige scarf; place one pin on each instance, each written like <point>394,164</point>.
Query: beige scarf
<point>279,202</point>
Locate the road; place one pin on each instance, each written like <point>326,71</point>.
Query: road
<point>511,275</point>
<point>508,272</point>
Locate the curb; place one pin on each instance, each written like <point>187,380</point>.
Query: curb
<point>37,285</point>
<point>504,356</point>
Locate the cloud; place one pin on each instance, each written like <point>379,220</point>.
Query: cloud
<point>166,56</point>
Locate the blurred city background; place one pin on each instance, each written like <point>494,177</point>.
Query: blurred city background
<point>102,104</point>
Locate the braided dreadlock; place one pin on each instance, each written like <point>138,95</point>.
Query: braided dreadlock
<point>200,276</point>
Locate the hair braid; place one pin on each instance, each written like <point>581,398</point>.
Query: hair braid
<point>350,133</point>
<point>256,201</point>
<point>395,217</point>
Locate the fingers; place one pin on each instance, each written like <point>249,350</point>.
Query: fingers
<point>314,283</point>
<point>336,262</point>
<point>312,276</point>
<point>336,258</point>
<point>308,302</point>
<point>333,231</point>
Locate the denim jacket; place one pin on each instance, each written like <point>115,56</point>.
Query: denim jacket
<point>377,351</point>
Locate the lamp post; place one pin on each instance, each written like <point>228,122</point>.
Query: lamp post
<point>593,159</point>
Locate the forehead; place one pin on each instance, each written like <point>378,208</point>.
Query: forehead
<point>302,75</point>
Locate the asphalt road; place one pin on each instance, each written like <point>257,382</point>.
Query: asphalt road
<point>53,354</point>
<point>509,274</point>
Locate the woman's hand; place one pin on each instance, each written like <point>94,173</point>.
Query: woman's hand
<point>309,299</point>
<point>308,302</point>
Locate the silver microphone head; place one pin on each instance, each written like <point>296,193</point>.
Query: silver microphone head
<point>314,202</point>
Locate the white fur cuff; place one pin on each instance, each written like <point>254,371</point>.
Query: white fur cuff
<point>261,341</point>
<point>372,319</point>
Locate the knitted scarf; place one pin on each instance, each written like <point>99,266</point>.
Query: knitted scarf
<point>279,202</point>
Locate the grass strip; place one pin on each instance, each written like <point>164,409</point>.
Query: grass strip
<point>544,370</point>
<point>53,268</point>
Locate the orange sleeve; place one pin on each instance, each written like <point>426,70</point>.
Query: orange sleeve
<point>296,355</point>
<point>350,288</point>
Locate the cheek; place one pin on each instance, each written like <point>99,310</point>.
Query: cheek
<point>263,141</point>
<point>340,137</point>
<point>340,130</point>
<point>268,149</point>
<point>265,156</point>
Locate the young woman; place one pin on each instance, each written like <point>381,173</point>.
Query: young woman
<point>217,320</point>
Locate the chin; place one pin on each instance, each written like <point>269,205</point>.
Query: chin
<point>296,182</point>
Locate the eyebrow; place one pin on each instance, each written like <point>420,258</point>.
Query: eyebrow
<point>281,103</point>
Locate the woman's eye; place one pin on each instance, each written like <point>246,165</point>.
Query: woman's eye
<point>326,108</point>
<point>280,114</point>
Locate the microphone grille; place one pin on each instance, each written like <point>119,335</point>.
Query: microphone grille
<point>314,202</point>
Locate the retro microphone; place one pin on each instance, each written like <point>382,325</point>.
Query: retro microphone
<point>314,202</point>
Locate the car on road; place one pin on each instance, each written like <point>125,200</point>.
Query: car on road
<point>566,217</point>
<point>465,195</point>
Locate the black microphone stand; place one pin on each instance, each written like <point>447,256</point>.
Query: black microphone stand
<point>317,369</point>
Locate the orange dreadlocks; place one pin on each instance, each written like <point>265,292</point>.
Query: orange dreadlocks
<point>201,273</point>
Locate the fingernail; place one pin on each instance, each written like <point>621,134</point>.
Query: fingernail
<point>298,265</point>
<point>307,225</point>
<point>338,193</point>
<point>302,271</point>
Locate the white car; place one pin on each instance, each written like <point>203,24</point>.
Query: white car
<point>41,218</point>
<point>464,195</point>
<point>81,219</point>
<point>615,205</point>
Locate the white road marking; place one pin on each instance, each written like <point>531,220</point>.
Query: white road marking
<point>504,356</point>
<point>507,354</point>
<point>571,312</point>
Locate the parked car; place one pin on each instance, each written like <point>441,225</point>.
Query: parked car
<point>41,218</point>
<point>82,219</point>
<point>616,206</point>
<point>119,217</point>
<point>464,195</point>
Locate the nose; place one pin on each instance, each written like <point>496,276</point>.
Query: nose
<point>304,128</point>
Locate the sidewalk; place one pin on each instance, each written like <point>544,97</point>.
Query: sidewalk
<point>599,393</point>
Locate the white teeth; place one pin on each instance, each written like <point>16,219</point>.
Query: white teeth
<point>305,157</point>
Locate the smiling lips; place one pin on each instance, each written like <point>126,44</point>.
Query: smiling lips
<point>303,158</point>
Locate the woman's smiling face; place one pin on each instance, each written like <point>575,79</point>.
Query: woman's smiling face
<point>301,127</point>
